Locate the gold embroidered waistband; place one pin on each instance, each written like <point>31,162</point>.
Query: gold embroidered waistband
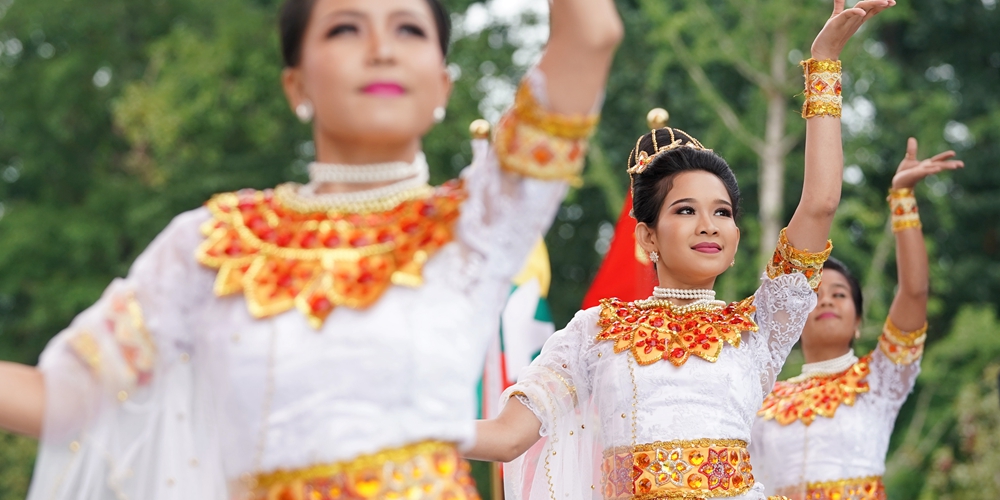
<point>423,471</point>
<point>860,488</point>
<point>703,468</point>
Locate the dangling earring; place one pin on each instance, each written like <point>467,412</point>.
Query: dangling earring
<point>857,333</point>
<point>305,111</point>
<point>439,114</point>
<point>654,256</point>
<point>733,263</point>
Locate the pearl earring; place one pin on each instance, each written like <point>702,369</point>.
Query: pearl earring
<point>439,114</point>
<point>857,333</point>
<point>733,263</point>
<point>305,111</point>
<point>654,256</point>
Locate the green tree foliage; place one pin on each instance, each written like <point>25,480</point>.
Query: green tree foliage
<point>117,116</point>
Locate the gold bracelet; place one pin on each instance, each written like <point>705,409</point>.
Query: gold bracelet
<point>823,90</point>
<point>903,209</point>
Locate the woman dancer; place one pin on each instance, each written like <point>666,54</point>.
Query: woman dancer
<point>824,434</point>
<point>321,341</point>
<point>644,399</point>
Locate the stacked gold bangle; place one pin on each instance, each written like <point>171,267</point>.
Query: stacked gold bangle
<point>903,207</point>
<point>822,88</point>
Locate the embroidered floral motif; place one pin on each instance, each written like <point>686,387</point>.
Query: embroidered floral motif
<point>127,330</point>
<point>864,488</point>
<point>658,333</point>
<point>424,471</point>
<point>533,142</point>
<point>902,348</point>
<point>282,259</point>
<point>815,396</point>
<point>703,468</point>
<point>787,260</point>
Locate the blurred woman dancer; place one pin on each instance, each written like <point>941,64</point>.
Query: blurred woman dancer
<point>644,399</point>
<point>322,341</point>
<point>824,434</point>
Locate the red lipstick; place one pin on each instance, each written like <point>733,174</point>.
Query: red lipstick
<point>388,89</point>
<point>707,247</point>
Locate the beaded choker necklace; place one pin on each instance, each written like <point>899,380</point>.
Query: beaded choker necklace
<point>833,366</point>
<point>704,300</point>
<point>367,174</point>
<point>409,182</point>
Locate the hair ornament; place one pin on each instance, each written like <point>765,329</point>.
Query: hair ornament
<point>657,120</point>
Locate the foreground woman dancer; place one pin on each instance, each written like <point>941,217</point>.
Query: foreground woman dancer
<point>824,434</point>
<point>645,399</point>
<point>321,341</point>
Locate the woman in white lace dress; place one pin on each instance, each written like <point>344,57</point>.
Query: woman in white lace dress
<point>322,341</point>
<point>824,434</point>
<point>656,398</point>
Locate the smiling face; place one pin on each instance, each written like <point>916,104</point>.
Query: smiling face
<point>834,322</point>
<point>695,234</point>
<point>373,71</point>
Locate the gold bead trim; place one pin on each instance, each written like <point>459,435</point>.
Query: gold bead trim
<point>822,88</point>
<point>788,259</point>
<point>702,468</point>
<point>902,348</point>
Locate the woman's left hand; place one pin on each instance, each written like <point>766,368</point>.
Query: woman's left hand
<point>843,24</point>
<point>911,170</point>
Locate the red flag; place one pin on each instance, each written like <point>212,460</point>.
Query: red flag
<point>626,272</point>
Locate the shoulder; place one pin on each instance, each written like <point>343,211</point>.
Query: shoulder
<point>179,240</point>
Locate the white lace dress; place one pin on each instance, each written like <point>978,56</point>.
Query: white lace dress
<point>591,399</point>
<point>793,455</point>
<point>164,390</point>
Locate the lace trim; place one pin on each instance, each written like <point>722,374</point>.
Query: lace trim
<point>659,333</point>
<point>281,259</point>
<point>815,396</point>
<point>788,259</point>
<point>533,142</point>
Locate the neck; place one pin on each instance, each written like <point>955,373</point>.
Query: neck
<point>816,354</point>
<point>350,152</point>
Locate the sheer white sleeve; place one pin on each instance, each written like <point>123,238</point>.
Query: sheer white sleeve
<point>125,395</point>
<point>895,365</point>
<point>557,389</point>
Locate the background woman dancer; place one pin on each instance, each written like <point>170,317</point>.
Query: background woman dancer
<point>825,433</point>
<point>321,340</point>
<point>644,399</point>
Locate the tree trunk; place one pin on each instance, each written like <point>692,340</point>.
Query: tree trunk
<point>772,157</point>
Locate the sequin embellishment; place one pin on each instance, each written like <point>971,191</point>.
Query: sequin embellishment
<point>804,400</point>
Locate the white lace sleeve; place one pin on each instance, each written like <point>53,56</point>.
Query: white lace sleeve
<point>783,306</point>
<point>560,377</point>
<point>895,364</point>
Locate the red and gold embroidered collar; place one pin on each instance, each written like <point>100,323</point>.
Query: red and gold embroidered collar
<point>653,331</point>
<point>815,396</point>
<point>315,261</point>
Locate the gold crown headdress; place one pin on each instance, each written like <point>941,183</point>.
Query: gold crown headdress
<point>657,120</point>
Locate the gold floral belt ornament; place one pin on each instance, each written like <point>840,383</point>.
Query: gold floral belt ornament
<point>862,488</point>
<point>423,471</point>
<point>704,468</point>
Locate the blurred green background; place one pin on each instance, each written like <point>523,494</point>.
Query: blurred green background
<point>116,116</point>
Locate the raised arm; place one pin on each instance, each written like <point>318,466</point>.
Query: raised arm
<point>909,307</point>
<point>809,227</point>
<point>582,40</point>
<point>22,399</point>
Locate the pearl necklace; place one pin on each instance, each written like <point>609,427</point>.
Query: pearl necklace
<point>840,364</point>
<point>367,174</point>
<point>683,294</point>
<point>304,198</point>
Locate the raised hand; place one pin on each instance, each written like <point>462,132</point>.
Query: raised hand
<point>911,170</point>
<point>843,24</point>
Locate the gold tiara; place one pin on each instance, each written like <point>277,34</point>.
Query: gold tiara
<point>657,120</point>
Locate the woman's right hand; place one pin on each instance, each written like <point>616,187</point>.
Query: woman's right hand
<point>843,24</point>
<point>911,170</point>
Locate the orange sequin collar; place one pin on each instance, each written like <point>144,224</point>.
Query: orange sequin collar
<point>282,259</point>
<point>653,331</point>
<point>815,396</point>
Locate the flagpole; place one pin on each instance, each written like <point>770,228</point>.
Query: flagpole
<point>496,480</point>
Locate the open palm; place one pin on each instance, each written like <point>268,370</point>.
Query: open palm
<point>911,170</point>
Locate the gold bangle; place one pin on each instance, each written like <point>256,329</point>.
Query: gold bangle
<point>903,210</point>
<point>823,88</point>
